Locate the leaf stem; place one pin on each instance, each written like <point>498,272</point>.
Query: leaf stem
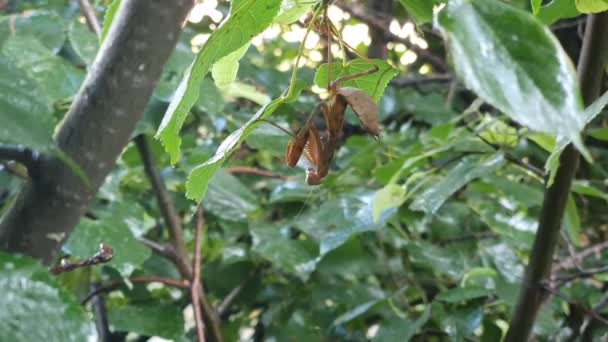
<point>294,74</point>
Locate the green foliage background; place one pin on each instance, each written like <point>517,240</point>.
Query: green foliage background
<point>422,236</point>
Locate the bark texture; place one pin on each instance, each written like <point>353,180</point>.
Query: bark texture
<point>97,127</point>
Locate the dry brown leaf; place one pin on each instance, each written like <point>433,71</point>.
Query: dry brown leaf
<point>295,147</point>
<point>364,106</point>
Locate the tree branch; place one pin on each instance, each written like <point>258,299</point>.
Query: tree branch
<point>165,203</point>
<point>97,127</point>
<point>90,16</point>
<point>23,155</point>
<point>101,316</point>
<point>590,69</point>
<point>196,276</point>
<point>254,171</point>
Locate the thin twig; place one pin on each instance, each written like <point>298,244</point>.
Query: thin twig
<point>104,255</point>
<point>254,171</point>
<point>576,259</point>
<point>417,81</point>
<point>222,309</point>
<point>160,249</point>
<point>90,16</point>
<point>165,204</point>
<point>196,276</point>
<point>138,280</point>
<point>363,15</point>
<point>572,302</point>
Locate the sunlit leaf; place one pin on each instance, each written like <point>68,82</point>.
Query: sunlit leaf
<point>421,10</point>
<point>247,18</point>
<point>591,6</point>
<point>373,84</point>
<point>292,10</point>
<point>555,10</point>
<point>224,71</point>
<point>109,18</point>
<point>389,197</point>
<point>497,50</point>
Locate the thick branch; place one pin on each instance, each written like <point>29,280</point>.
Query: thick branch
<point>22,155</point>
<point>97,126</point>
<point>532,294</point>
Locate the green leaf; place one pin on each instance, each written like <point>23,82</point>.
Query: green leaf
<point>150,319</point>
<point>468,168</point>
<point>591,6</point>
<point>35,308</point>
<point>585,188</point>
<point>421,10</point>
<point>292,10</point>
<point>230,199</point>
<point>247,18</point>
<point>24,109</point>
<point>463,294</point>
<point>557,10</point>
<point>47,27</point>
<point>572,222</point>
<point>589,114</point>
<point>199,178</point>
<point>356,312</point>
<point>341,220</point>
<point>109,18</point>
<point>224,71</point>
<point>398,330</point>
<point>535,4</point>
<point>275,245</point>
<point>84,42</point>
<point>58,78</point>
<point>390,197</point>
<point>115,228</point>
<point>373,84</point>
<point>497,51</point>
<point>245,91</point>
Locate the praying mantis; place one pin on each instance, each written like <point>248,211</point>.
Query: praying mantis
<point>307,141</point>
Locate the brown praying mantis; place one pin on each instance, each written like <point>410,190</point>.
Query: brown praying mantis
<point>308,141</point>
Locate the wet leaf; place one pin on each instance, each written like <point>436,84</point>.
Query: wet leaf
<point>391,196</point>
<point>466,170</point>
<point>149,319</point>
<point>497,52</point>
<point>25,109</point>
